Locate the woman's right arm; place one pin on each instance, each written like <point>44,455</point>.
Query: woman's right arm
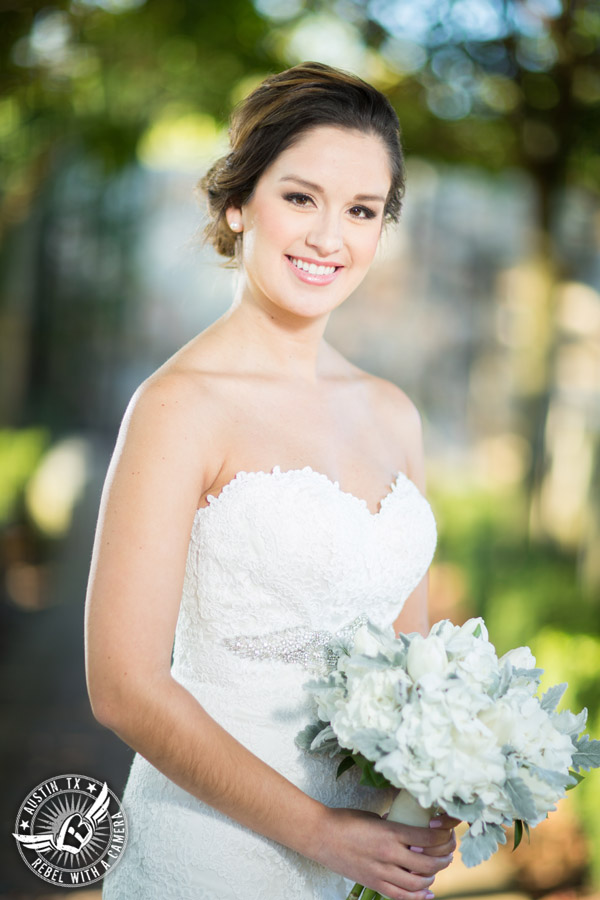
<point>148,505</point>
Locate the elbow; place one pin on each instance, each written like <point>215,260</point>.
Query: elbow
<point>105,706</point>
<point>123,703</point>
<point>110,698</point>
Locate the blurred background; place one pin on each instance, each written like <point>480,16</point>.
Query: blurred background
<point>483,305</point>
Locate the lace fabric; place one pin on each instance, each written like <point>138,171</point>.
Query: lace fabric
<point>274,553</point>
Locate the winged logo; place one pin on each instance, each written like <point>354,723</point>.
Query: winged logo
<point>76,831</point>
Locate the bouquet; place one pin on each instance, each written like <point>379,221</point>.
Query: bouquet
<point>456,728</point>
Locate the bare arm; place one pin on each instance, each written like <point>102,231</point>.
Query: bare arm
<point>148,505</point>
<point>414,615</point>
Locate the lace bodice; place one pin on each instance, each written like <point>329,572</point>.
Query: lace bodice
<point>276,557</point>
<point>288,548</point>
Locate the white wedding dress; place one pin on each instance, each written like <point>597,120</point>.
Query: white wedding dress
<point>277,562</point>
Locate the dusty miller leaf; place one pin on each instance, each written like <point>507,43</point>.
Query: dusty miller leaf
<point>552,697</point>
<point>521,798</point>
<point>468,812</point>
<point>475,849</point>
<point>587,753</point>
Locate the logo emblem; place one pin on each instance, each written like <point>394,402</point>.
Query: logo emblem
<point>71,830</point>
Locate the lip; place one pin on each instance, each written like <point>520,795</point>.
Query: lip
<point>313,279</point>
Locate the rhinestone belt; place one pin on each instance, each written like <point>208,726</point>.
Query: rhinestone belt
<point>316,651</point>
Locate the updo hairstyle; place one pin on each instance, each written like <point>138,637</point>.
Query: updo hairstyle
<point>274,116</point>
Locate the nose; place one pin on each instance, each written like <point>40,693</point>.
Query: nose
<point>325,235</point>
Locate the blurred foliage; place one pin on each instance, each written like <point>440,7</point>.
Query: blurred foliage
<point>529,594</point>
<point>20,453</point>
<point>495,82</point>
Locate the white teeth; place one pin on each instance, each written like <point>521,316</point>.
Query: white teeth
<point>312,268</point>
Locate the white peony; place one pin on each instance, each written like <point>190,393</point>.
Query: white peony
<point>425,656</point>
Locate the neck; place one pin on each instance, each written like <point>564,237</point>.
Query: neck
<point>275,341</point>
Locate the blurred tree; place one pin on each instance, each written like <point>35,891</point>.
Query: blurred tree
<point>496,83</point>
<point>501,83</point>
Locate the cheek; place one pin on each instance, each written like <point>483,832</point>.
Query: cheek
<point>368,246</point>
<point>270,226</point>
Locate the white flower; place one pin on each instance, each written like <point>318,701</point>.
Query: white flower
<point>426,655</point>
<point>519,658</point>
<point>475,625</point>
<point>366,643</point>
<point>371,703</point>
<point>545,796</point>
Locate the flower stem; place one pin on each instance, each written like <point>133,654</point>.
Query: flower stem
<point>356,892</point>
<point>368,894</point>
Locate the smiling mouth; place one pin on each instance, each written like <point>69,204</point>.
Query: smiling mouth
<point>313,268</point>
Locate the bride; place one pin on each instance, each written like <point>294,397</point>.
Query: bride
<point>263,490</point>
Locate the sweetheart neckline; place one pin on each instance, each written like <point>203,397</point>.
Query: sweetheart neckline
<point>242,475</point>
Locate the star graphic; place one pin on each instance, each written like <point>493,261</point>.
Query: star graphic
<point>24,825</point>
<point>92,787</point>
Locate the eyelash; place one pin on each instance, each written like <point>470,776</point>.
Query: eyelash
<point>294,197</point>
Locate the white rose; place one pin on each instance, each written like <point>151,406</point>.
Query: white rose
<point>471,625</point>
<point>366,643</point>
<point>519,658</point>
<point>426,655</point>
<point>478,667</point>
<point>444,630</point>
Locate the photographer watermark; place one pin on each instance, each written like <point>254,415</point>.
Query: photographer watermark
<point>71,830</point>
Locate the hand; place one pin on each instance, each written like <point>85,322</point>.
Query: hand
<point>377,854</point>
<point>444,848</point>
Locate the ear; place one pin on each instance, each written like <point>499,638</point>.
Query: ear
<point>233,214</point>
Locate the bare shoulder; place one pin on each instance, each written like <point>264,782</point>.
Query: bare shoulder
<point>392,400</point>
<point>403,422</point>
<point>173,417</point>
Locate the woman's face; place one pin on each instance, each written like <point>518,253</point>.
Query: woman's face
<point>311,227</point>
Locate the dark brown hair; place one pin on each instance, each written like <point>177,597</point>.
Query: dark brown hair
<point>275,115</point>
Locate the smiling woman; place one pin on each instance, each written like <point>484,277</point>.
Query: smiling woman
<point>264,493</point>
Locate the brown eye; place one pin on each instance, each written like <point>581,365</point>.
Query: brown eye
<point>298,199</point>
<point>362,212</point>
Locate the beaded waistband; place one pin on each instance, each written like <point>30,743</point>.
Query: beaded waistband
<point>317,651</point>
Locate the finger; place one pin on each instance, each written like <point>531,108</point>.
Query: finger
<point>420,837</point>
<point>442,849</point>
<point>408,881</point>
<point>425,863</point>
<point>393,892</point>
<point>446,820</point>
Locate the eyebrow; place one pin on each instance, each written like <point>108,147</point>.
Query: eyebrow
<point>319,190</point>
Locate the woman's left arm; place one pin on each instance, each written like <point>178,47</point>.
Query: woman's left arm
<point>414,615</point>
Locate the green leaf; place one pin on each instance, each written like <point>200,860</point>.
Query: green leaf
<point>518,824</point>
<point>578,779</point>
<point>552,697</point>
<point>370,777</point>
<point>346,763</point>
<point>477,631</point>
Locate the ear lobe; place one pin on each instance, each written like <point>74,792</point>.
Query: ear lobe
<point>234,218</point>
